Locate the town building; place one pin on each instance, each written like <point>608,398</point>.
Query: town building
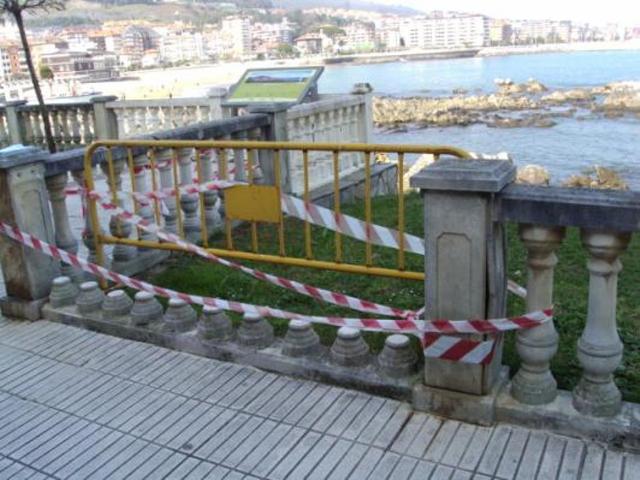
<point>266,37</point>
<point>237,32</point>
<point>72,65</point>
<point>445,31</point>
<point>359,37</point>
<point>541,31</point>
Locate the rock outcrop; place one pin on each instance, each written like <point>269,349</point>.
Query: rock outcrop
<point>601,178</point>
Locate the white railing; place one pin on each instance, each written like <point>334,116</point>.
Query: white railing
<point>332,119</point>
<point>139,117</point>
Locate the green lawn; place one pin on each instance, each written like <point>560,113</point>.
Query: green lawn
<point>196,276</point>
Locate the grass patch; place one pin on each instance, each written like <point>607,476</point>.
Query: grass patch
<point>194,275</point>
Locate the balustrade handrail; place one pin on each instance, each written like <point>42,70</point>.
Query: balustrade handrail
<point>160,102</point>
<point>325,103</point>
<point>71,160</point>
<point>616,210</point>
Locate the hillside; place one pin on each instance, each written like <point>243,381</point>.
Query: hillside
<point>347,4</point>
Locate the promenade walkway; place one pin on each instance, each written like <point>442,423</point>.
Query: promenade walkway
<point>81,405</point>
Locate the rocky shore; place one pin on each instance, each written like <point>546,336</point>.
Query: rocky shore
<point>513,105</point>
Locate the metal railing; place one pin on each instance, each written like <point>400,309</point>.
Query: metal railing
<point>255,199</point>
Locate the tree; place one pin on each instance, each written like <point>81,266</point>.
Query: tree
<point>284,50</point>
<point>17,8</point>
<point>45,72</point>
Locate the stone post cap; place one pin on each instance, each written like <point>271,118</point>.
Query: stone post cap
<point>252,317</point>
<point>143,297</point>
<point>15,103</point>
<point>348,333</point>
<point>397,341</point>
<point>208,309</point>
<point>58,281</point>
<point>116,294</point>
<point>299,325</point>
<point>176,302</point>
<point>361,88</point>
<point>88,286</point>
<point>103,99</point>
<point>489,176</point>
<point>19,154</point>
<point>215,92</point>
<point>270,107</point>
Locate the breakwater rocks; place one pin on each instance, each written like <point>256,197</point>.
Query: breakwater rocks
<point>513,105</point>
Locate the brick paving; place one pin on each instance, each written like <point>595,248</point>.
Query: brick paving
<point>76,404</point>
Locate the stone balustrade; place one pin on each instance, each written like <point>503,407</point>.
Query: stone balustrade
<point>331,119</point>
<point>139,117</point>
<point>80,121</point>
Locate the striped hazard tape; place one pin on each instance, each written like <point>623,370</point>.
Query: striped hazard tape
<point>315,214</point>
<point>322,294</point>
<point>434,343</point>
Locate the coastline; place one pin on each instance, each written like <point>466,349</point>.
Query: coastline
<point>559,48</point>
<point>195,80</point>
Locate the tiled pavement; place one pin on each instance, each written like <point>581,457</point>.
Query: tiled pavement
<point>77,404</point>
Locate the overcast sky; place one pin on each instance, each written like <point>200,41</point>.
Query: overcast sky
<point>626,11</point>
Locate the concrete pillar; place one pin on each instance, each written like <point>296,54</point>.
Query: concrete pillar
<point>465,272</point>
<point>14,123</point>
<point>534,384</point>
<point>599,347</point>
<point>105,120</point>
<point>215,96</point>
<point>278,132</point>
<point>365,126</point>
<point>28,274</point>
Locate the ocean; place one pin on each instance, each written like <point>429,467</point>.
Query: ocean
<point>572,146</point>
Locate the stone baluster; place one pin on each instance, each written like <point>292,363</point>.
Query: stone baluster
<point>599,347</point>
<point>172,117</point>
<point>534,384</point>
<point>63,234</point>
<point>87,131</point>
<point>153,123</point>
<point>118,228</point>
<point>27,124</point>
<point>57,126</point>
<point>124,122</point>
<point>87,233</point>
<point>4,131</point>
<point>211,214</point>
<point>140,163</point>
<point>64,125</point>
<point>165,174</point>
<point>239,160</point>
<point>188,202</point>
<point>140,120</point>
<point>192,115</point>
<point>38,129</point>
<point>74,124</point>
<point>163,117</point>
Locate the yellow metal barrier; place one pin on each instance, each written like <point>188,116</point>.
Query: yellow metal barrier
<point>259,204</point>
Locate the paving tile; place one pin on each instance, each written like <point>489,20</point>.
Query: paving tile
<point>117,409</point>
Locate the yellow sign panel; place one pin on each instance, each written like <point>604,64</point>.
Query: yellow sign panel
<point>257,203</point>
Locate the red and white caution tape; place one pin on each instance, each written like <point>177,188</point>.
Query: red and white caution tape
<point>350,226</point>
<point>308,290</point>
<point>455,349</point>
<point>434,343</point>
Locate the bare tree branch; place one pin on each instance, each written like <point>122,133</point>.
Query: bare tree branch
<point>17,8</point>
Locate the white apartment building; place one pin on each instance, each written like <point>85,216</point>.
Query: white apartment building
<point>532,31</point>
<point>267,36</point>
<point>360,36</point>
<point>237,31</point>
<point>454,31</point>
<point>5,65</point>
<point>180,46</point>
